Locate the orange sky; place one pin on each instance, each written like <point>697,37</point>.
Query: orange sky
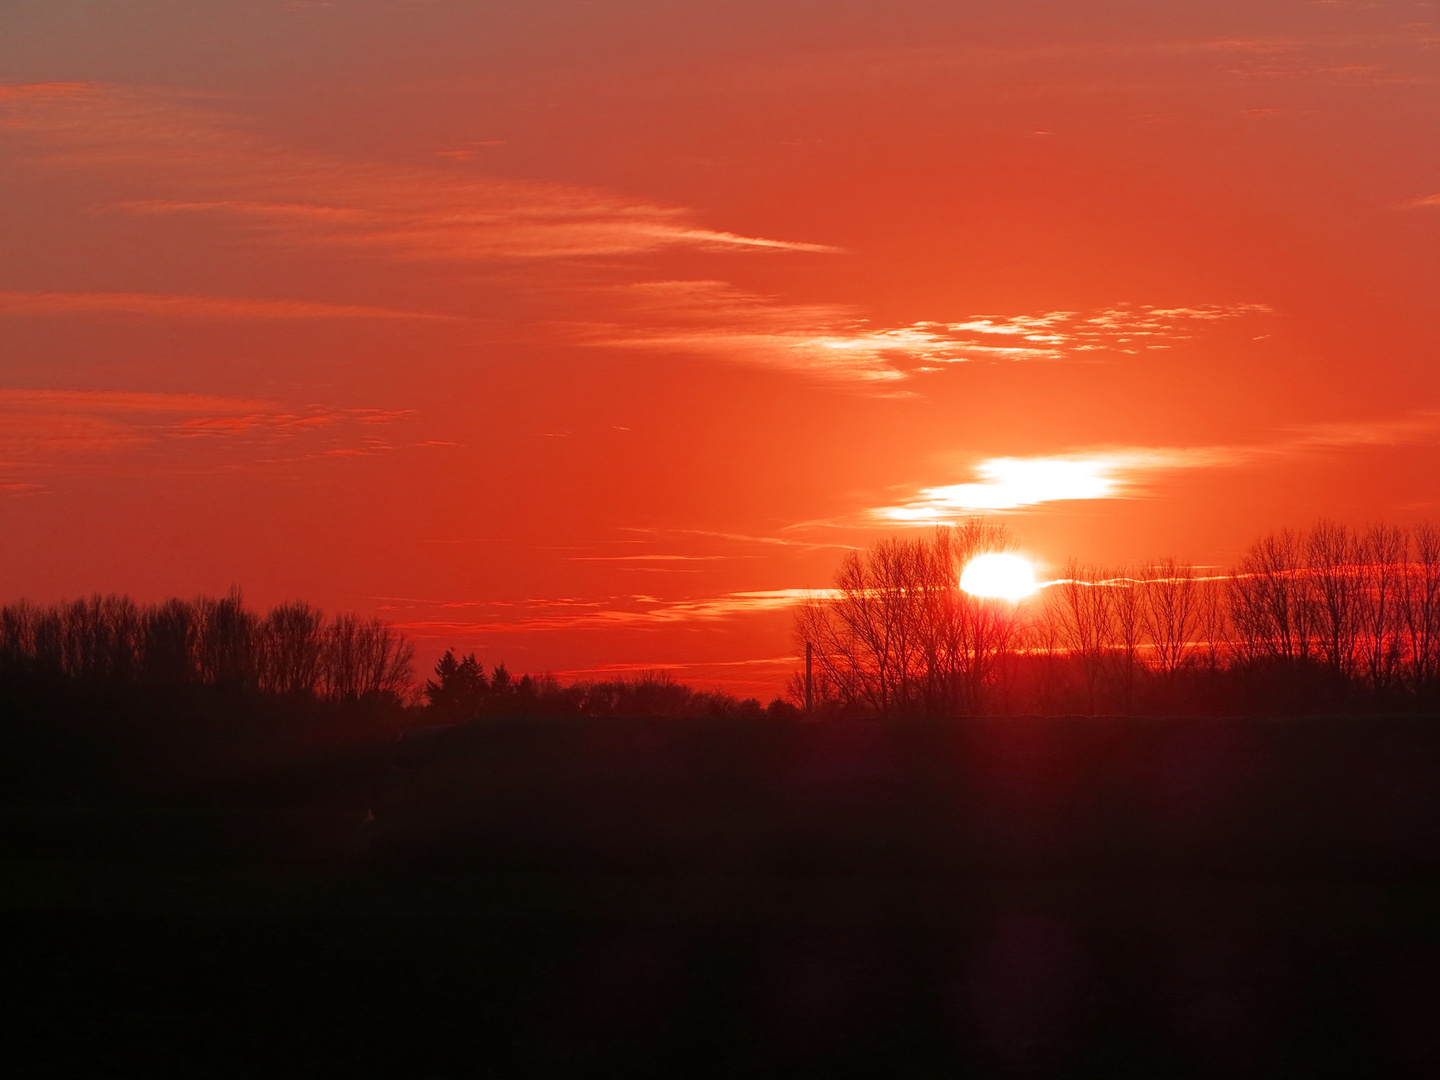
<point>585,334</point>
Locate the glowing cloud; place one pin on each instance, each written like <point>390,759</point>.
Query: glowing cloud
<point>833,342</point>
<point>1013,482</point>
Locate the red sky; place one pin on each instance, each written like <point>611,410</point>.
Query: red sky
<point>583,334</point>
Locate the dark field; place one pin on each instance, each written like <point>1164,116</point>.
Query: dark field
<point>1020,896</point>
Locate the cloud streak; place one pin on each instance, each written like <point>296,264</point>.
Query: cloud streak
<point>50,428</point>
<point>178,159</point>
<point>191,307</point>
<point>832,342</point>
<point>638,612</point>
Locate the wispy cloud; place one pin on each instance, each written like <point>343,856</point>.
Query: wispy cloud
<point>740,538</point>
<point>1390,50</point>
<point>637,612</point>
<point>176,158</point>
<point>657,558</point>
<point>1422,203</point>
<point>123,401</point>
<point>833,342</point>
<point>192,307</point>
<point>1013,483</point>
<point>45,427</point>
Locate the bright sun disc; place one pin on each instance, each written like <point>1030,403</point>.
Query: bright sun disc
<point>998,577</point>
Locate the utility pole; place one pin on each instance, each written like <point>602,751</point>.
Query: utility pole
<point>809,680</point>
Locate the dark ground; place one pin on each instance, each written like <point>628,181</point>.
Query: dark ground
<point>1016,897</point>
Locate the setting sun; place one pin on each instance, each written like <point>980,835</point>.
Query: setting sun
<point>998,576</point>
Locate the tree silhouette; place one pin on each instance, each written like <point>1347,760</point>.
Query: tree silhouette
<point>459,689</point>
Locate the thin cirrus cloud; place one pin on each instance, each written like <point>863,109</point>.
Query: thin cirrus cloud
<point>160,157</point>
<point>40,426</point>
<point>636,611</point>
<point>1014,483</point>
<point>13,302</point>
<point>832,342</point>
<point>51,428</point>
<point>175,159</point>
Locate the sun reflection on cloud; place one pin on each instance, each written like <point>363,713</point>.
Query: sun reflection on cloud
<point>1008,483</point>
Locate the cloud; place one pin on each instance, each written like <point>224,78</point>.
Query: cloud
<point>739,675</point>
<point>194,307</point>
<point>123,401</point>
<point>638,612</point>
<point>657,558</point>
<point>1424,202</point>
<point>1014,483</point>
<point>43,427</point>
<point>832,342</point>
<point>175,158</point>
<point>741,538</point>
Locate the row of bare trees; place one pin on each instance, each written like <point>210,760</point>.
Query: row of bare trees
<point>1366,605</point>
<point>1355,611</point>
<point>294,649</point>
<point>898,636</point>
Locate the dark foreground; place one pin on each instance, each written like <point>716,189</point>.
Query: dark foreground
<point>1026,897</point>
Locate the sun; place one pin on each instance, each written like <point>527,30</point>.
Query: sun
<point>998,577</point>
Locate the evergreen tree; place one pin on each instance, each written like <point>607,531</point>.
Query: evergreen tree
<point>459,688</point>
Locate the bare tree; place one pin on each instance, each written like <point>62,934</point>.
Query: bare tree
<point>1421,584</point>
<point>387,660</point>
<point>171,644</point>
<point>1171,611</point>
<point>1213,621</point>
<point>1269,603</point>
<point>1045,659</point>
<point>227,642</point>
<point>363,657</point>
<point>869,633</point>
<point>1081,607</point>
<point>1127,619</point>
<point>897,635</point>
<point>1335,585</point>
<point>292,646</point>
<point>1382,558</point>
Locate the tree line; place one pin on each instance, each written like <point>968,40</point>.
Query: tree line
<point>1303,620</point>
<point>461,690</point>
<point>293,650</point>
<point>296,651</point>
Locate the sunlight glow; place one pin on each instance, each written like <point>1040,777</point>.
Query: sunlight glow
<point>999,577</point>
<point>1009,483</point>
